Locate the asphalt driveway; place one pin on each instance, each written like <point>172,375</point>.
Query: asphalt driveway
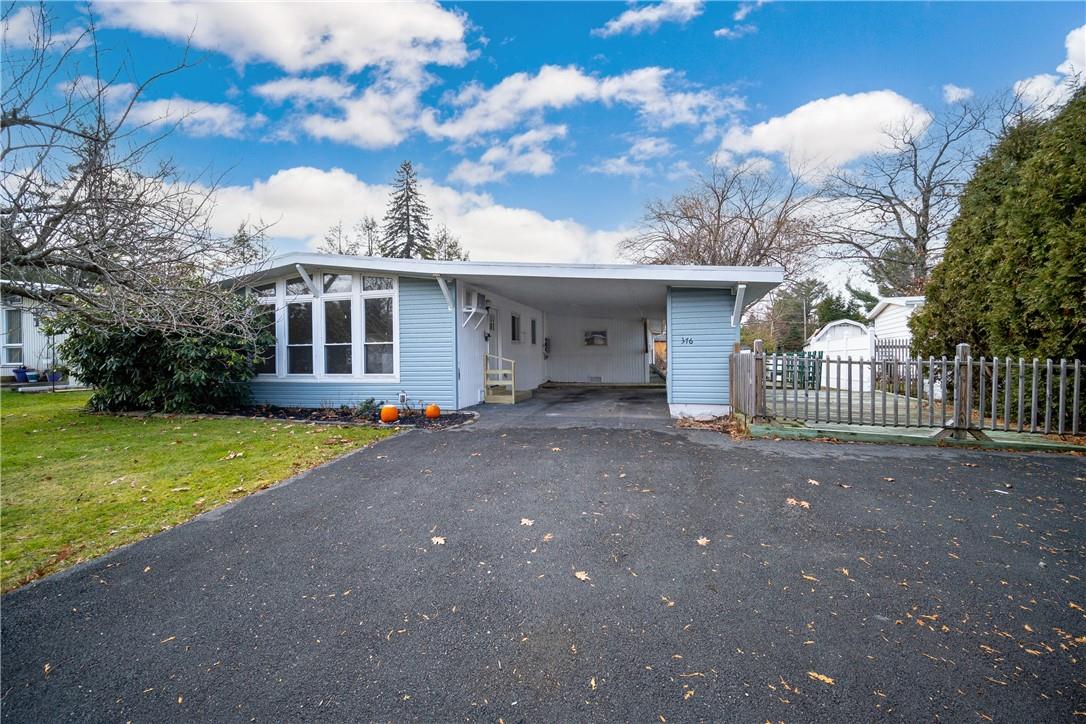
<point>432,577</point>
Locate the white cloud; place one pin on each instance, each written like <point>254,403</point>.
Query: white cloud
<point>650,147</point>
<point>23,29</point>
<point>320,88</point>
<point>524,153</point>
<point>650,90</point>
<point>383,115</point>
<point>299,37</point>
<point>650,17</point>
<point>736,32</point>
<point>740,28</point>
<point>303,201</point>
<point>194,118</point>
<point>746,9</point>
<point>956,93</point>
<point>632,163</point>
<point>1046,90</point>
<point>829,132</point>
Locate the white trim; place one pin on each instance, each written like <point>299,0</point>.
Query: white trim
<point>313,288</point>
<point>698,411</point>
<point>891,302</point>
<point>737,306</point>
<point>679,275</point>
<point>445,291</point>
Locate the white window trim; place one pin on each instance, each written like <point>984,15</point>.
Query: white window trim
<point>356,295</point>
<point>519,339</point>
<point>4,347</point>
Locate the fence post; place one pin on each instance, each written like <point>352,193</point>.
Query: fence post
<point>960,426</point>
<point>759,378</point>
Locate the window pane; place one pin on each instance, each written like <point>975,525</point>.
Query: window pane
<point>337,283</point>
<point>297,285</point>
<point>301,359</point>
<point>337,359</point>
<point>533,331</point>
<point>379,319</point>
<point>13,325</point>
<point>299,323</point>
<point>515,327</point>
<point>13,355</point>
<point>337,321</point>
<point>379,359</point>
<point>370,284</point>
<point>265,290</point>
<point>265,355</point>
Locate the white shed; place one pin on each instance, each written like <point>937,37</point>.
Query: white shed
<point>844,338</point>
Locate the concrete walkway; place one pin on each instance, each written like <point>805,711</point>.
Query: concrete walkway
<point>637,407</point>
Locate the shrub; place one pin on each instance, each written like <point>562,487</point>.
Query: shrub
<point>146,369</point>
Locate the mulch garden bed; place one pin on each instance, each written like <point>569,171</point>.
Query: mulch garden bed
<point>349,416</point>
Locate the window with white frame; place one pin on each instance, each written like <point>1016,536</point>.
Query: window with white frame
<point>348,329</point>
<point>266,354</point>
<point>514,327</point>
<point>338,347</point>
<point>378,326</point>
<point>12,333</point>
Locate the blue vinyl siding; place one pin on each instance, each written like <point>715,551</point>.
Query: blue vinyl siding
<point>697,373</point>
<point>427,360</point>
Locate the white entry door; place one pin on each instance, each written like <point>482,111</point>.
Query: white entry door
<point>494,332</point>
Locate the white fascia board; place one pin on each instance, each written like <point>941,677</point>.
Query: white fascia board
<point>676,275</point>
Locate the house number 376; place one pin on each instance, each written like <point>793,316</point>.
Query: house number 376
<point>686,340</point>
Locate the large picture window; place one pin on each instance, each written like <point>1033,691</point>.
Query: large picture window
<point>300,338</point>
<point>347,329</point>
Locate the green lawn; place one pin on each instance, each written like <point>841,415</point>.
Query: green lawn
<point>75,485</point>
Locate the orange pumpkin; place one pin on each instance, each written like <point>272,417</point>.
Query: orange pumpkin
<point>432,411</point>
<point>389,413</point>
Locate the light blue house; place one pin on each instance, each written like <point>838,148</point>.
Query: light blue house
<point>459,333</point>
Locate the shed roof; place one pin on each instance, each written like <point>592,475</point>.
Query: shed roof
<point>894,301</point>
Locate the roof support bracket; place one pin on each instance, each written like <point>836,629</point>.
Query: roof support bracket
<point>308,280</point>
<point>445,291</point>
<point>737,310</point>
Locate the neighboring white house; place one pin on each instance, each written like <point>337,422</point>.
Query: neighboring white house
<point>22,339</point>
<point>890,317</point>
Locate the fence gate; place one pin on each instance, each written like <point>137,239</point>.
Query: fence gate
<point>962,396</point>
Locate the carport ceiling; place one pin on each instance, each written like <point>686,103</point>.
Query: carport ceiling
<point>581,297</point>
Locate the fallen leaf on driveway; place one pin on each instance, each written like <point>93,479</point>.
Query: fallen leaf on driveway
<point>527,521</point>
<point>820,677</point>
<point>812,481</point>
<point>582,575</point>
<point>438,540</point>
<point>592,683</point>
<point>47,668</point>
<point>889,480</point>
<point>809,578</point>
<point>842,485</point>
<point>556,449</point>
<point>703,541</point>
<point>667,601</point>
<point>798,503</point>
<point>548,537</point>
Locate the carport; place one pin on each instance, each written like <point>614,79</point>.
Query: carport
<point>533,328</point>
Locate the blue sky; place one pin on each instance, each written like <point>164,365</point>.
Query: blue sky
<point>542,128</point>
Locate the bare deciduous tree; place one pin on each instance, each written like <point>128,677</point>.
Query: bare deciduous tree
<point>91,222</point>
<point>892,213</point>
<point>742,215</point>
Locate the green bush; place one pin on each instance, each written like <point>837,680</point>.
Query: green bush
<point>1012,281</point>
<point>141,369</point>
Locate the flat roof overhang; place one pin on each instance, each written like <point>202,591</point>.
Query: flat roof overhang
<point>606,290</point>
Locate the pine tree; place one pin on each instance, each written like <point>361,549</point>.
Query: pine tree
<point>336,241</point>
<point>407,230</point>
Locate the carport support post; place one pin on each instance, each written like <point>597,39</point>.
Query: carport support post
<point>962,412</point>
<point>759,378</point>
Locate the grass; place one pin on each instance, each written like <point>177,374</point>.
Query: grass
<point>75,485</point>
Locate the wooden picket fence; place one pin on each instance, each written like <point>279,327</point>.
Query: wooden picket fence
<point>962,396</point>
